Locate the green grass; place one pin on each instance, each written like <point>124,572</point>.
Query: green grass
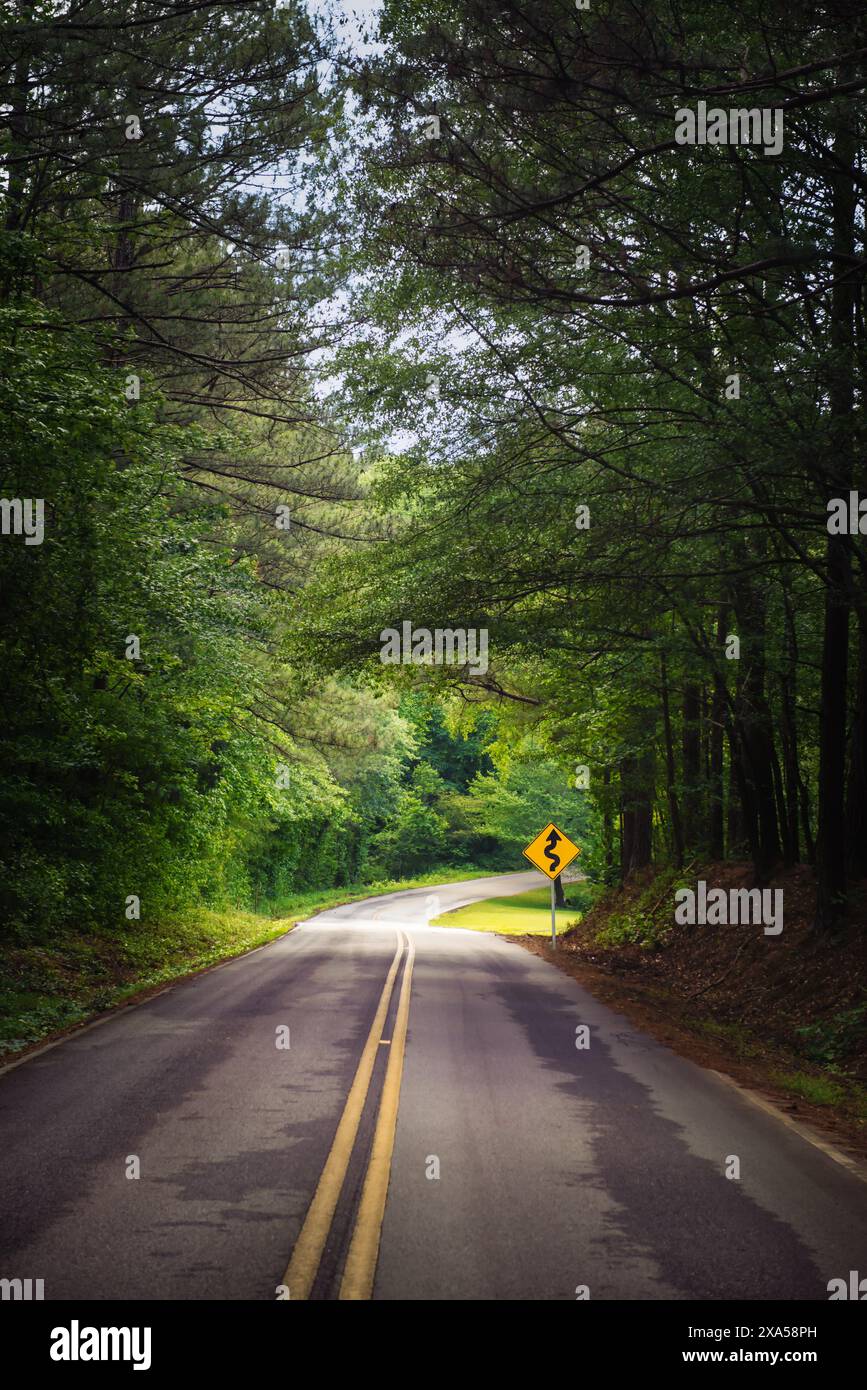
<point>52,984</point>
<point>524,914</point>
<point>647,919</point>
<point>815,1089</point>
<point>738,1039</point>
<point>832,1041</point>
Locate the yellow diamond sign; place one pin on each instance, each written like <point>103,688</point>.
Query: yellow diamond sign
<point>551,851</point>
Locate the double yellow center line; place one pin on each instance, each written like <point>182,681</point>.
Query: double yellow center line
<point>360,1267</point>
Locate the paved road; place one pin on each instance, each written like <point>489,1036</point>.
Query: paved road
<point>557,1167</point>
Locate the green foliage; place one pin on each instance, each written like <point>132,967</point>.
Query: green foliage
<point>414,838</point>
<point>833,1041</point>
<point>456,755</point>
<point>257,747</point>
<point>818,1090</point>
<point>150,776</point>
<point>511,807</point>
<point>121,776</point>
<point>646,920</point>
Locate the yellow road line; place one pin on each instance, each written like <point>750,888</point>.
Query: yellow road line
<point>364,1248</point>
<point>302,1267</point>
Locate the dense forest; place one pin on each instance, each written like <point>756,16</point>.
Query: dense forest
<point>167,740</point>
<point>309,334</point>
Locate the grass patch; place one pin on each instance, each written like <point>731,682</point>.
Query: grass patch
<point>45,988</point>
<point>647,920</point>
<point>523,914</point>
<point>737,1039</point>
<point>53,984</point>
<point>832,1040</point>
<point>818,1090</point>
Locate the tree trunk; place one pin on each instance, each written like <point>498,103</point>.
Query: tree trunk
<point>17,159</point>
<point>833,704</point>
<point>608,828</point>
<point>692,778</point>
<point>636,790</point>
<point>673,807</point>
<point>716,824</point>
<point>856,791</point>
<point>789,739</point>
<point>753,728</point>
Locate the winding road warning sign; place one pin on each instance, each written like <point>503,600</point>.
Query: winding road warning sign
<point>551,851</point>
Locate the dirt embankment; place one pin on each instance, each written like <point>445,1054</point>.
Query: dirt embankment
<point>784,1014</point>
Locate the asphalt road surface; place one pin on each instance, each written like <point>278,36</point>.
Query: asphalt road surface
<point>431,1131</point>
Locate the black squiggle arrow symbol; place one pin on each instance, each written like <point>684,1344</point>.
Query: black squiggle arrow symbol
<point>553,839</point>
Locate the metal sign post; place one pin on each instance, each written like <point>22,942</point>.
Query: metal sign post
<point>551,851</point>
